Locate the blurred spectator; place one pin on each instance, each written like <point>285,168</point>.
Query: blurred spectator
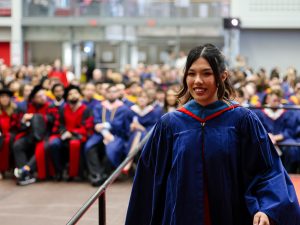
<point>295,98</point>
<point>180,61</point>
<point>289,82</point>
<point>132,91</point>
<point>160,97</point>
<point>171,102</point>
<point>75,82</point>
<point>75,127</point>
<point>88,96</point>
<point>240,62</point>
<point>9,125</point>
<point>14,86</point>
<point>240,98</point>
<point>107,147</point>
<point>58,72</point>
<point>98,91</point>
<point>24,93</point>
<point>148,84</point>
<point>280,125</point>
<point>58,93</point>
<point>20,76</point>
<point>143,117</point>
<point>97,75</point>
<point>37,124</point>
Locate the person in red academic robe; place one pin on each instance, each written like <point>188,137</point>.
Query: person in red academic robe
<point>9,117</point>
<point>76,124</point>
<point>39,121</point>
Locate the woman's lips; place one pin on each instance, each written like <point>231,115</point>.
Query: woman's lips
<point>199,91</point>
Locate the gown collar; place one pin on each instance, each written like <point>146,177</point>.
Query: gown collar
<point>204,113</point>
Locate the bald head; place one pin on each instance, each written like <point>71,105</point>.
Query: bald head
<point>97,75</point>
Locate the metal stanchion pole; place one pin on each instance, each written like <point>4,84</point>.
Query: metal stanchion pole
<point>102,209</point>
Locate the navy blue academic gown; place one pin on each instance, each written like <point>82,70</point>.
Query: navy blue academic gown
<point>284,123</point>
<point>91,104</point>
<point>147,119</point>
<point>219,148</point>
<point>118,119</point>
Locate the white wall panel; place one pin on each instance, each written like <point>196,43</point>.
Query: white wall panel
<point>5,34</point>
<point>267,13</point>
<point>271,48</point>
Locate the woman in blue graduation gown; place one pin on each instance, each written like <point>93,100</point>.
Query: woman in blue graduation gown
<point>211,162</point>
<point>281,125</point>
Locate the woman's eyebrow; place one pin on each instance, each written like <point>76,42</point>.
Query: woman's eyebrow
<point>204,69</point>
<point>207,69</point>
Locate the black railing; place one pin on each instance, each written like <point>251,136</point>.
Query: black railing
<point>100,193</point>
<point>287,107</point>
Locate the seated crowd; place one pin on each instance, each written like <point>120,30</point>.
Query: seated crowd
<point>56,127</point>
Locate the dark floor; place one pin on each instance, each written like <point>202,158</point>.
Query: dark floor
<point>49,203</point>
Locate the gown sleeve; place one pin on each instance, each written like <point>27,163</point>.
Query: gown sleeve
<point>146,205</point>
<point>97,114</point>
<point>294,124</point>
<point>268,187</point>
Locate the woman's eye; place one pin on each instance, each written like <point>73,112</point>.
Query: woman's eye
<point>207,73</point>
<point>191,74</point>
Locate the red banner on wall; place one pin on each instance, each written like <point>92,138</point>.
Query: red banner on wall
<point>5,52</point>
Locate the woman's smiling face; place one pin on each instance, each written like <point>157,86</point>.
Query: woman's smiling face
<point>201,82</point>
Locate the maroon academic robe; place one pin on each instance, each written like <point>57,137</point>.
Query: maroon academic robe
<point>80,124</point>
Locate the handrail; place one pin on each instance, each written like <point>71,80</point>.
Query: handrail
<point>288,107</point>
<point>101,190</point>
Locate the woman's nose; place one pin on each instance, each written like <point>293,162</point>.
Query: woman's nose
<point>198,79</point>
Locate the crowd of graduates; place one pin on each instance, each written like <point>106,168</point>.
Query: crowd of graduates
<point>54,126</point>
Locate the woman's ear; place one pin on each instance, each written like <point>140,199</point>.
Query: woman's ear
<point>224,75</point>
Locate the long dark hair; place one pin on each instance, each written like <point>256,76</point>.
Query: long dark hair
<point>216,60</point>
